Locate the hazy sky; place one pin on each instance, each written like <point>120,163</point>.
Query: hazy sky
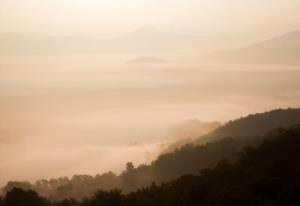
<point>107,18</point>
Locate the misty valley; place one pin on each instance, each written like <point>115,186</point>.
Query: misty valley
<point>149,103</point>
<point>251,160</point>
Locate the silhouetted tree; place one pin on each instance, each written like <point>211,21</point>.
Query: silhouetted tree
<point>19,197</point>
<point>129,166</point>
<point>224,143</point>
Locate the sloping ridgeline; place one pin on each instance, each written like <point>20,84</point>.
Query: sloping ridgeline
<point>280,50</point>
<point>262,176</point>
<point>254,125</point>
<point>225,142</point>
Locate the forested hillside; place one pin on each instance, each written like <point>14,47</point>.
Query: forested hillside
<point>254,125</point>
<point>225,142</point>
<point>265,175</point>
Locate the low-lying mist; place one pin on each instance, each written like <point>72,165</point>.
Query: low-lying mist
<point>65,115</point>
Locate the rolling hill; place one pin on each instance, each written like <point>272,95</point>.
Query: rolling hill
<point>225,142</point>
<point>283,50</point>
<point>264,175</point>
<point>254,125</point>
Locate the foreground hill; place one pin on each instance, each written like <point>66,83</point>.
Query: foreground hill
<point>254,125</point>
<point>262,176</point>
<point>284,49</point>
<point>226,142</point>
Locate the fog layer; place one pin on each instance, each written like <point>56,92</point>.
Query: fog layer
<point>64,115</point>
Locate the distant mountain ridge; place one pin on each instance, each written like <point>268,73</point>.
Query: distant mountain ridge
<point>284,49</point>
<point>140,41</point>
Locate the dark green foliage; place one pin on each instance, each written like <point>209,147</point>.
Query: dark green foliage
<point>266,175</point>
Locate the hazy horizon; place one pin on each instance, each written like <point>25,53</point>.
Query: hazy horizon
<point>103,19</point>
<point>88,85</point>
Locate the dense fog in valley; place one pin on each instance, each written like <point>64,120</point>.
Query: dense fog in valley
<point>149,103</point>
<point>68,114</point>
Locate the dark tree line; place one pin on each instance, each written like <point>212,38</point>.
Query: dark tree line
<point>225,142</point>
<point>189,159</point>
<point>264,175</point>
<point>255,125</point>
